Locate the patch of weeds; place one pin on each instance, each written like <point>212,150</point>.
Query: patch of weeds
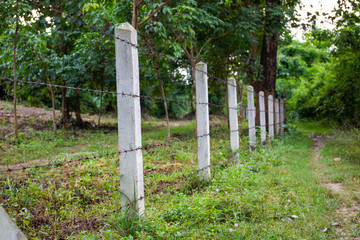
<point>194,184</point>
<point>315,127</point>
<point>125,223</point>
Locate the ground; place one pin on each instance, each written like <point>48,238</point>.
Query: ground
<point>300,186</point>
<point>347,214</point>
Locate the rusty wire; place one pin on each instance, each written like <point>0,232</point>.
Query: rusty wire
<point>117,93</point>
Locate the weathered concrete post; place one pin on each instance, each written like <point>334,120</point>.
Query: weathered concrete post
<point>271,116</point>
<point>202,121</point>
<point>262,116</point>
<point>251,117</point>
<point>277,117</point>
<point>233,117</point>
<point>129,120</point>
<point>8,229</point>
<point>282,115</point>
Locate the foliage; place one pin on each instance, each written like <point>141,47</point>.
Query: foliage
<point>319,78</point>
<point>76,55</point>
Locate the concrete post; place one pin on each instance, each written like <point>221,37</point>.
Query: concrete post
<point>129,120</point>
<point>271,116</point>
<point>251,117</point>
<point>262,116</point>
<point>233,117</point>
<point>8,229</point>
<point>282,116</point>
<point>277,117</point>
<point>202,121</point>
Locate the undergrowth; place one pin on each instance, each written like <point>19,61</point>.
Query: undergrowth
<point>266,194</point>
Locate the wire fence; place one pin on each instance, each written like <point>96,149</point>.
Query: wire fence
<point>96,223</point>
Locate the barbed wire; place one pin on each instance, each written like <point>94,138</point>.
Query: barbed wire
<point>161,189</point>
<point>54,163</point>
<point>116,93</point>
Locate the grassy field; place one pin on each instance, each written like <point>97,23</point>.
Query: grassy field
<point>276,192</point>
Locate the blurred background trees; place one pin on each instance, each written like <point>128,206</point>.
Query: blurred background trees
<point>248,40</point>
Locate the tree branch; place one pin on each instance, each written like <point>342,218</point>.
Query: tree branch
<point>153,13</point>
<point>138,5</point>
<point>202,48</point>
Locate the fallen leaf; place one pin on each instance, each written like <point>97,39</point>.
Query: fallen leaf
<point>335,224</point>
<point>324,229</point>
<point>286,219</point>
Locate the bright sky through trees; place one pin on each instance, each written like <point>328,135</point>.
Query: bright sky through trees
<point>313,6</point>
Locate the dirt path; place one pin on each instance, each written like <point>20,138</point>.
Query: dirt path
<point>349,208</point>
<point>44,161</point>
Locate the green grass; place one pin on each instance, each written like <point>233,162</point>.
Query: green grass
<point>255,193</point>
<point>346,145</point>
<point>314,127</point>
<point>43,145</point>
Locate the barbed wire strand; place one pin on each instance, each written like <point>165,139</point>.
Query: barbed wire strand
<point>117,93</point>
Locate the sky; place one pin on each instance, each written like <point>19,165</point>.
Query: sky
<point>318,5</point>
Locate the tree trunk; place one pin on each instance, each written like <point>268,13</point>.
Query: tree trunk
<point>51,89</point>
<point>77,109</point>
<point>193,74</point>
<point>135,15</point>
<point>256,83</point>
<point>156,65</point>
<point>268,59</point>
<point>15,79</point>
<point>65,118</point>
<point>102,89</point>
<point>100,108</point>
<point>269,50</point>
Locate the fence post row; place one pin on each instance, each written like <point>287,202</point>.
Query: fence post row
<point>251,117</point>
<point>202,121</point>
<point>129,121</point>
<point>277,117</point>
<point>282,115</point>
<point>262,116</point>
<point>233,117</point>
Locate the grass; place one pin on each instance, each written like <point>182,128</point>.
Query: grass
<point>346,145</point>
<point>249,199</point>
<point>31,145</point>
<point>314,127</point>
<point>346,172</point>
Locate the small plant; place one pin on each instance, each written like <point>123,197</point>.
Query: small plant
<point>125,221</point>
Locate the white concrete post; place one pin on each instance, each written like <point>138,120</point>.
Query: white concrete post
<point>262,116</point>
<point>277,117</point>
<point>282,115</point>
<point>8,229</point>
<point>202,121</point>
<point>251,117</point>
<point>129,120</point>
<point>271,116</point>
<point>233,116</point>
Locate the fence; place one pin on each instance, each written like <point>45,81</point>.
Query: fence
<point>129,123</point>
